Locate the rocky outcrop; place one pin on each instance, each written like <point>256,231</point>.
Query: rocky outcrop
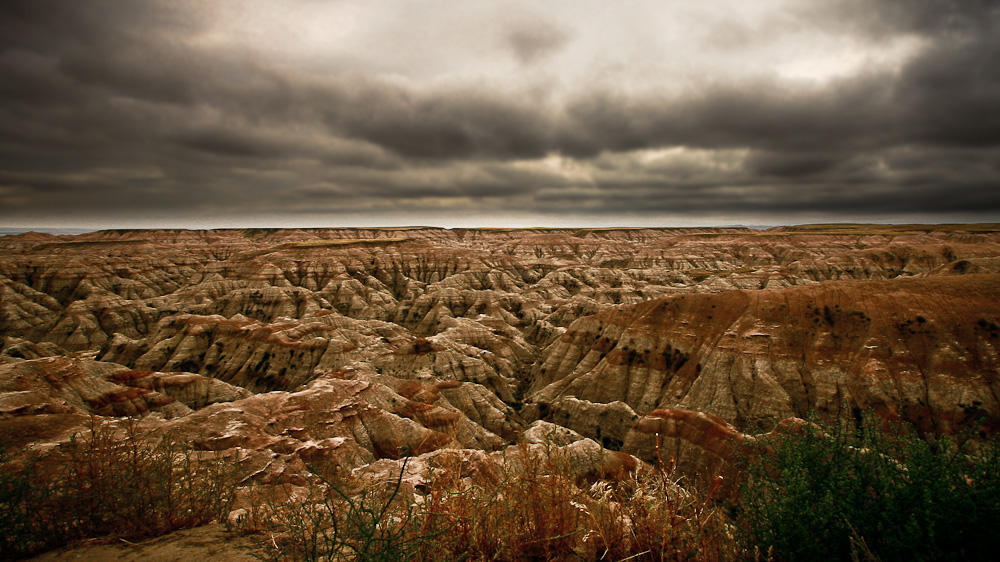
<point>704,446</point>
<point>577,460</point>
<point>16,349</point>
<point>87,387</point>
<point>191,390</point>
<point>920,349</point>
<point>606,423</point>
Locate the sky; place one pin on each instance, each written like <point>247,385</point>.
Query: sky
<point>228,113</point>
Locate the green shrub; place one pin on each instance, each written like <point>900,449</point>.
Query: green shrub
<point>15,489</point>
<point>843,493</point>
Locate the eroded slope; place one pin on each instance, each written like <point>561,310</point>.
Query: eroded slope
<point>411,340</point>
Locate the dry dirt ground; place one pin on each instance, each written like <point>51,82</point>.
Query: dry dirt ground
<point>201,544</point>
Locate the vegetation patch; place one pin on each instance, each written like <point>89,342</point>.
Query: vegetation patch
<point>867,492</point>
<point>538,512</point>
<point>112,481</point>
<point>871,493</point>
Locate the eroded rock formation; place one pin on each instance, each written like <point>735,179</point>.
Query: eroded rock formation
<point>288,348</point>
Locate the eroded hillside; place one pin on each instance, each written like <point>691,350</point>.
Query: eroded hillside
<point>351,345</point>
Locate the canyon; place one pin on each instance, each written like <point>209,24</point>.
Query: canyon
<point>359,348</point>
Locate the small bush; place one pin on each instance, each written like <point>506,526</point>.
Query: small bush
<point>843,493</point>
<point>651,517</point>
<point>333,522</point>
<point>108,482</point>
<point>15,520</point>
<point>524,514</point>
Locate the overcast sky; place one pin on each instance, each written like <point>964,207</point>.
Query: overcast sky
<point>461,113</point>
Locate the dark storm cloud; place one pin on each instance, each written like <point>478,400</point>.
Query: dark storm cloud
<point>137,73</point>
<point>52,25</point>
<point>788,164</point>
<point>533,40</point>
<point>952,94</point>
<point>116,104</point>
<point>462,124</point>
<point>443,181</point>
<point>882,18</point>
<point>452,124</point>
<point>748,114</point>
<point>54,183</point>
<point>227,143</point>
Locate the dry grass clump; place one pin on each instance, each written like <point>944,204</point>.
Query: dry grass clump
<point>653,518</point>
<point>525,508</point>
<point>534,503</point>
<point>113,480</point>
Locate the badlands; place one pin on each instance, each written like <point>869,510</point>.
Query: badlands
<point>363,347</point>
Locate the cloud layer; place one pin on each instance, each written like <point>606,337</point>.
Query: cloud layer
<point>343,112</point>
